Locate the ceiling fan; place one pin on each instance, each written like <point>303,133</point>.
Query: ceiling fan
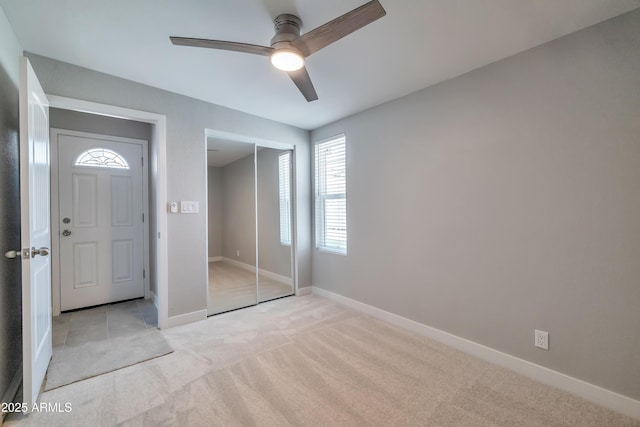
<point>288,48</point>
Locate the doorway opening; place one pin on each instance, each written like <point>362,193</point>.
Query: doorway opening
<point>157,252</point>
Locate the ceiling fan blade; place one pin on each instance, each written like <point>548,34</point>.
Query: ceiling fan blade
<point>223,45</point>
<point>340,27</point>
<point>303,82</point>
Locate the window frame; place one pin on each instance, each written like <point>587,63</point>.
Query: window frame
<point>89,154</point>
<point>320,199</point>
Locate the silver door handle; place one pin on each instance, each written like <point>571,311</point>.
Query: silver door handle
<point>19,253</point>
<point>42,252</point>
<point>66,233</point>
<point>13,254</point>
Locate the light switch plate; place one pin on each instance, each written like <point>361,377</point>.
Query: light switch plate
<point>189,207</point>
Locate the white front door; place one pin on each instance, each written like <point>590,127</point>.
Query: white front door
<point>35,232</point>
<point>101,208</point>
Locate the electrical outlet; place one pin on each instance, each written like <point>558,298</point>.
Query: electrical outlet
<point>238,252</point>
<point>542,339</point>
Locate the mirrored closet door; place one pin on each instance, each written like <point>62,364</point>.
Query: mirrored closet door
<point>250,221</point>
<point>232,225</point>
<point>275,254</point>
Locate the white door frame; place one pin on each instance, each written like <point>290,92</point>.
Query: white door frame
<point>55,208</point>
<point>158,168</point>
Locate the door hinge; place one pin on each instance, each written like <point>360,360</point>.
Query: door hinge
<point>144,273</point>
<point>141,161</point>
<point>143,217</point>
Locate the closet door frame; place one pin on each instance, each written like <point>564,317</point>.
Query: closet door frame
<point>262,143</point>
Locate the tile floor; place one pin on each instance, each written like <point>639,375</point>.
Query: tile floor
<point>100,339</point>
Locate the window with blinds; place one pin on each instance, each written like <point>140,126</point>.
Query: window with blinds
<point>331,195</point>
<point>284,185</point>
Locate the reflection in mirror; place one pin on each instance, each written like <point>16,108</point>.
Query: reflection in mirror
<point>231,227</point>
<point>275,266</point>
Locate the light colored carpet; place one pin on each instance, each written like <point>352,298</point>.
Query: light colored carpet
<point>305,361</point>
<point>92,342</point>
<point>231,287</point>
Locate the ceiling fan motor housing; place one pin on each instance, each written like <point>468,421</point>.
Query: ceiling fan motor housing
<point>287,29</point>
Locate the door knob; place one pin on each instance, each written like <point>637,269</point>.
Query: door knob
<point>42,252</point>
<point>13,254</point>
<point>17,253</point>
<point>66,233</point>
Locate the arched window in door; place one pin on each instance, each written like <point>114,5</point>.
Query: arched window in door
<point>101,158</point>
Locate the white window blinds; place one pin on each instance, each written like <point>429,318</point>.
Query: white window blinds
<point>331,195</point>
<point>284,185</point>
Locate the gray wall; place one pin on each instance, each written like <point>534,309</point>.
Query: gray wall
<point>94,123</point>
<point>10,270</point>
<point>238,211</point>
<point>214,201</point>
<point>187,120</point>
<point>505,200</point>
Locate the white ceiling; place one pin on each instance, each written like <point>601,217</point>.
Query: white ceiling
<point>419,43</point>
<point>221,152</point>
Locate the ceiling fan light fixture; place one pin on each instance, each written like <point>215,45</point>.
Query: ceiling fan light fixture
<point>286,59</point>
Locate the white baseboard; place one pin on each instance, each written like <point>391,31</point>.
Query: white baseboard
<point>277,277</point>
<point>183,319</point>
<point>154,298</point>
<point>593,393</point>
<point>12,390</point>
<point>248,267</point>
<point>240,264</point>
<point>304,291</point>
<point>215,259</point>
